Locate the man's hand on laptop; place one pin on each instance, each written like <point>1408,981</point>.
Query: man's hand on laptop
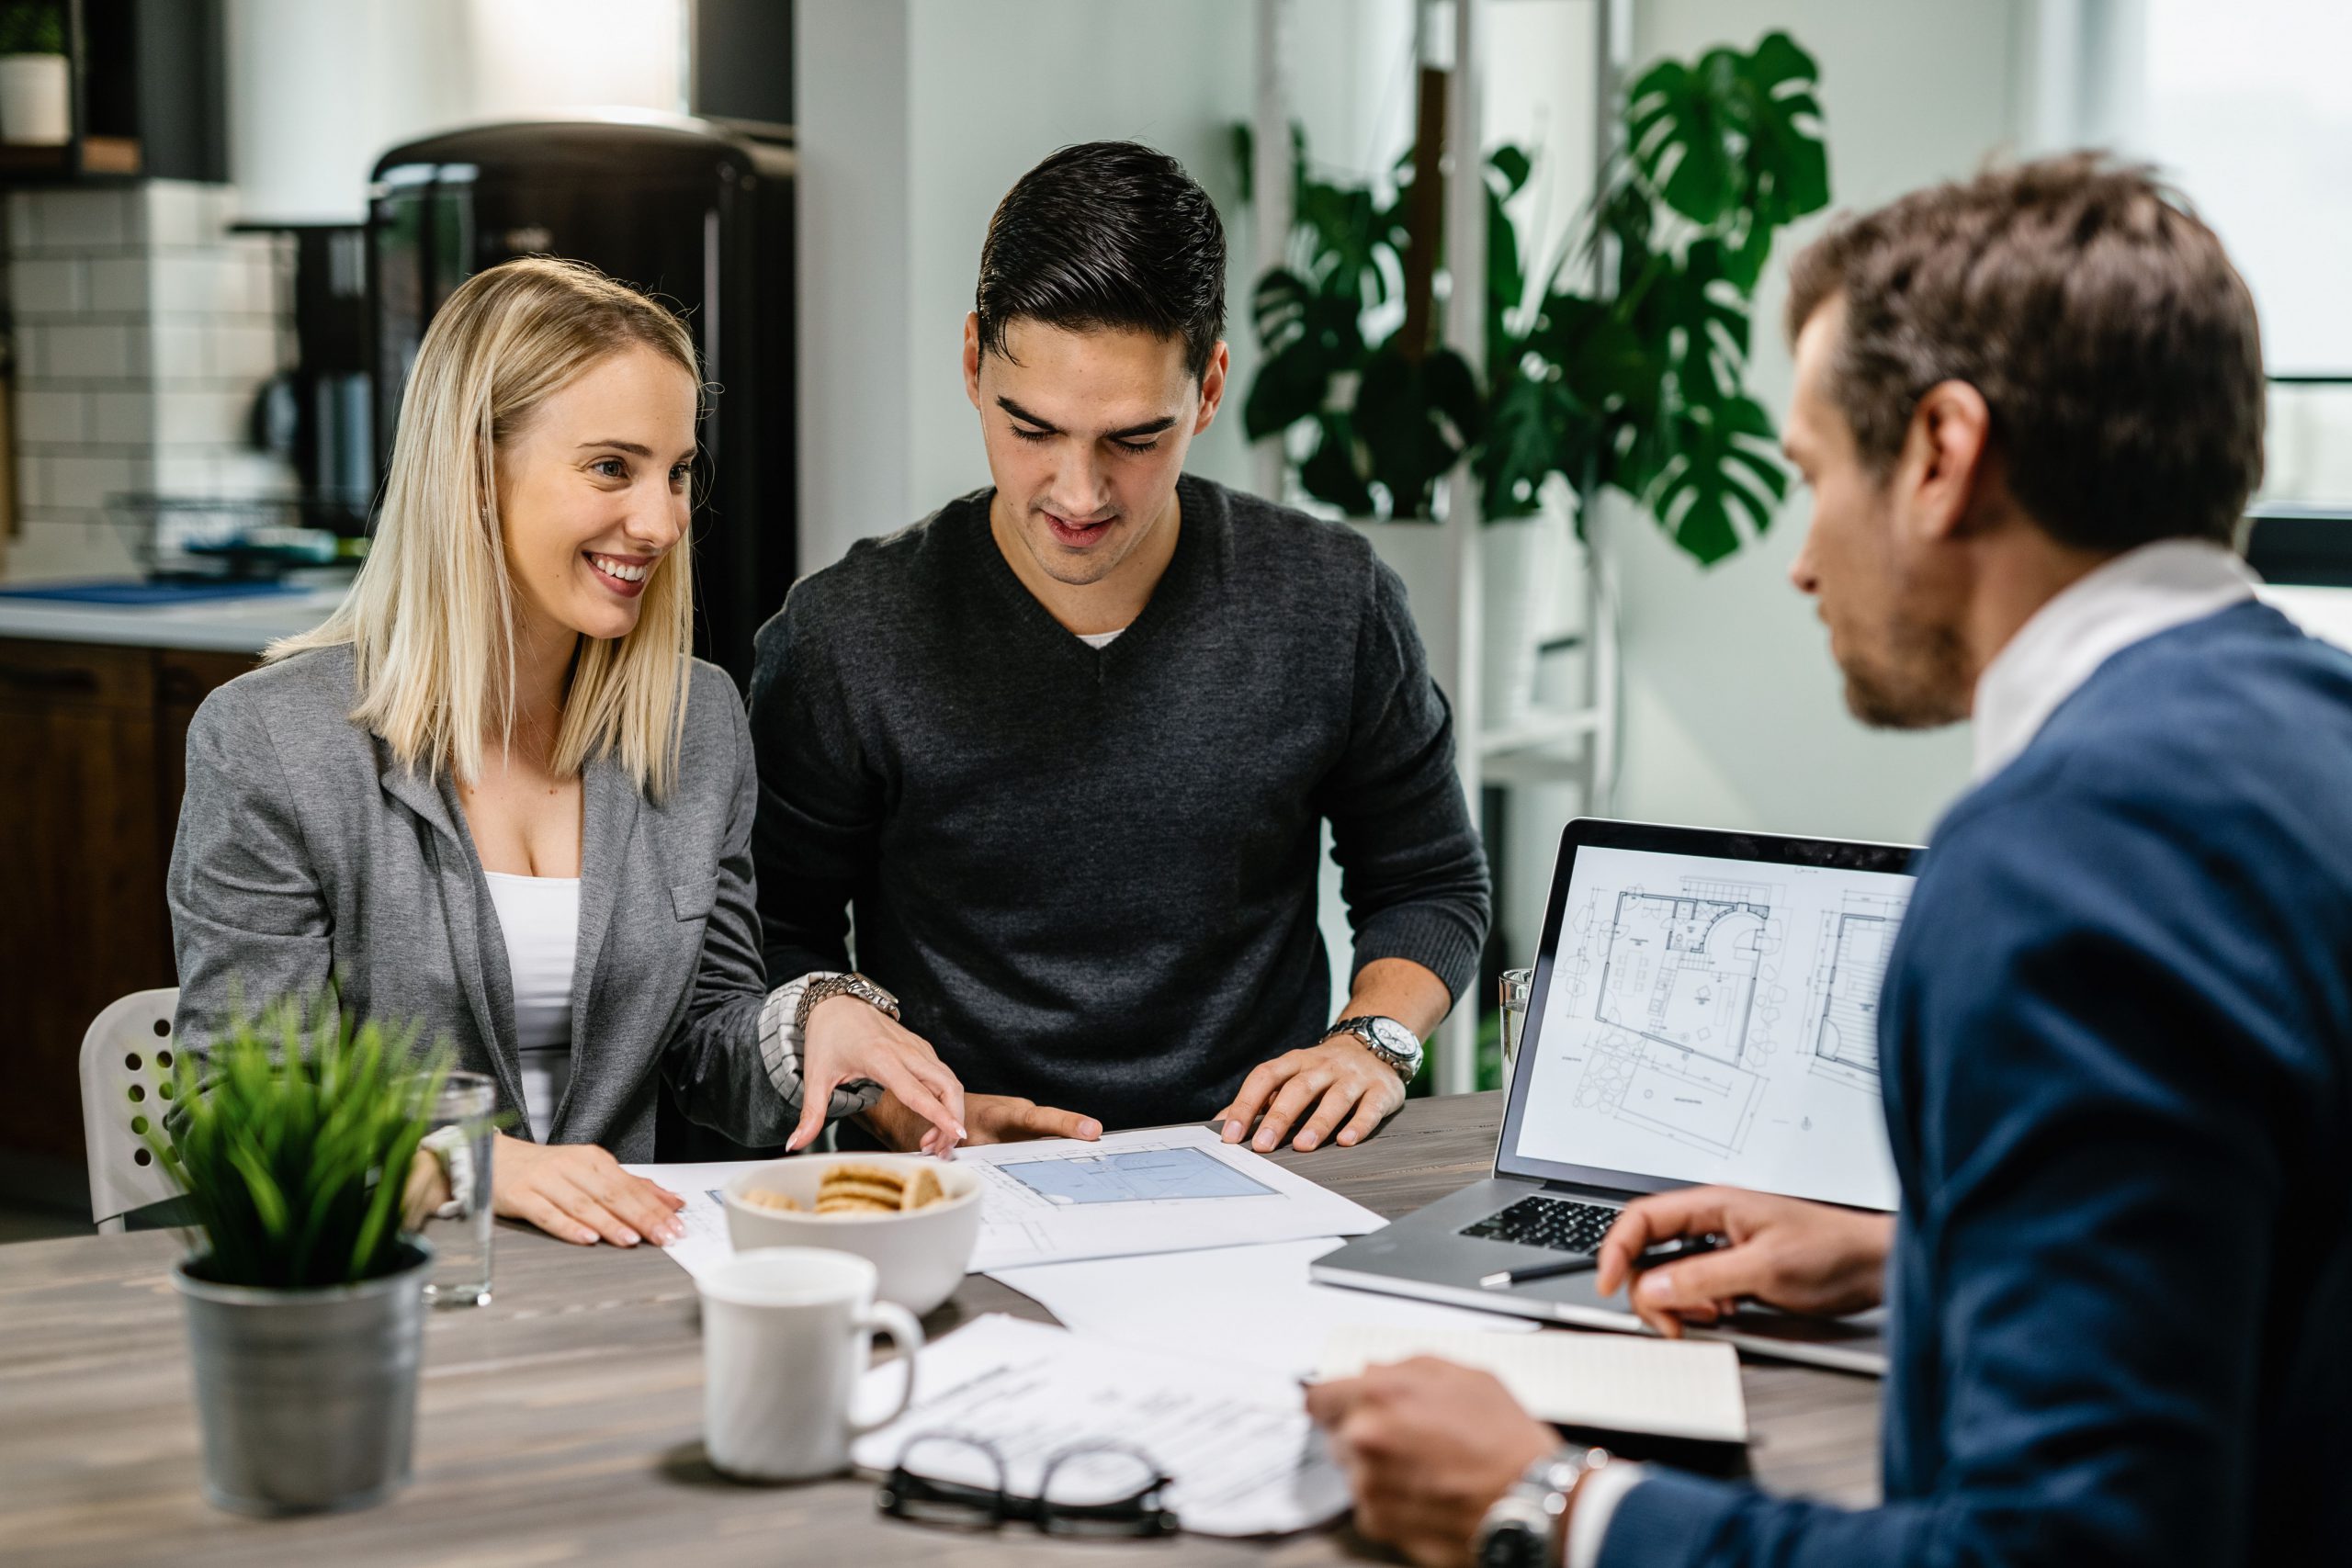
<point>1800,1257</point>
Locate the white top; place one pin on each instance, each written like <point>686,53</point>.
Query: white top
<point>1099,639</point>
<point>2128,600</point>
<point>539,917</point>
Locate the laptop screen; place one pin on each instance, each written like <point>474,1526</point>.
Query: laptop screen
<point>1705,1009</point>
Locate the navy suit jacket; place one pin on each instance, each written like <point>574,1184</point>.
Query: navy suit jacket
<point>2117,1045</point>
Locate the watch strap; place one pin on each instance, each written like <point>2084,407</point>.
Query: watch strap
<point>1362,1030</point>
<point>824,988</point>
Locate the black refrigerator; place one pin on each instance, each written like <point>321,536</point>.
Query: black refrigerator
<point>697,212</point>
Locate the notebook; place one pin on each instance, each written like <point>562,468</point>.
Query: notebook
<point>1668,1388</point>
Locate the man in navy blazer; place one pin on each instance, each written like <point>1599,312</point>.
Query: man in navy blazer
<point>2116,1033</point>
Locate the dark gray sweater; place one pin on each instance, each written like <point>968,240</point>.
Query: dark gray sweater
<point>1091,876</point>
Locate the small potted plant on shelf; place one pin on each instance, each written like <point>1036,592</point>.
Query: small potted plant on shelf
<point>35,100</point>
<point>297,1145</point>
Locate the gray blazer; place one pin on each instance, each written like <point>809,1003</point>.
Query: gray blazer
<point>306,850</point>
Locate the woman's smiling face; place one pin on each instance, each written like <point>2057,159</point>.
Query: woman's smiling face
<point>594,493</point>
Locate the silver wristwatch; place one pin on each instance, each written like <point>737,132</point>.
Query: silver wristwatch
<point>1523,1526</point>
<point>824,988</point>
<point>1385,1038</point>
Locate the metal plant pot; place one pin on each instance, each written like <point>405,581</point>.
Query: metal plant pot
<point>308,1398</point>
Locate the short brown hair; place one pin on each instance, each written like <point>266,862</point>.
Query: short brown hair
<point>2100,319</point>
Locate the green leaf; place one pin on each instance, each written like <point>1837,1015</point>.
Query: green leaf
<point>1721,468</point>
<point>1330,472</point>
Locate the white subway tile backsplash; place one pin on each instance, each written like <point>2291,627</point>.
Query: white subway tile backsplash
<point>92,481</point>
<point>48,288</point>
<point>119,283</point>
<point>142,329</point>
<point>179,352</point>
<point>80,352</point>
<point>248,355</point>
<point>191,417</point>
<point>123,419</point>
<point>180,212</point>
<point>71,219</point>
<point>57,549</point>
<point>50,417</point>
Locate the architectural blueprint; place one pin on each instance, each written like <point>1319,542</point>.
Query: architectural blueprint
<point>1716,1021</point>
<point>1145,1190</point>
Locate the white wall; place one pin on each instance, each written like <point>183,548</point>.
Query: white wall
<point>916,116</point>
<point>319,88</point>
<point>1735,715</point>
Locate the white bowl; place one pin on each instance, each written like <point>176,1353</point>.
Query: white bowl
<point>921,1253</point>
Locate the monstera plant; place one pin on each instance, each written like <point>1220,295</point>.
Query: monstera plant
<point>1635,383</point>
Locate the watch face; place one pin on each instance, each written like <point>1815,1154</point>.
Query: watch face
<point>1511,1545</point>
<point>1395,1037</point>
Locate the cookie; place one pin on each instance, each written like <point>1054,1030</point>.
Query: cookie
<point>922,1190</point>
<point>776,1200</point>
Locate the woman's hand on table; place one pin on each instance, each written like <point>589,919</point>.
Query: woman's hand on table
<point>579,1193</point>
<point>848,1038</point>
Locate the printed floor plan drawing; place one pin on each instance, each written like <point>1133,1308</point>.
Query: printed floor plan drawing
<point>1141,1176</point>
<point>1854,944</point>
<point>1682,983</point>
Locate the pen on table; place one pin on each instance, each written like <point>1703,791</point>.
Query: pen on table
<point>1663,1252</point>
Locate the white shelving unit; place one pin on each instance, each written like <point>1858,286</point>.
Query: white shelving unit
<point>1560,745</point>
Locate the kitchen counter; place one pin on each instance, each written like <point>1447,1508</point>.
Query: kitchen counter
<point>227,626</point>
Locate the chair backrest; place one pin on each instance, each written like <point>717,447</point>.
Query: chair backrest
<point>126,1072</point>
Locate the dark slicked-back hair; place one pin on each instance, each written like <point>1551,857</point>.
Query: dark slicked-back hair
<point>1106,234</point>
<point>2101,321</point>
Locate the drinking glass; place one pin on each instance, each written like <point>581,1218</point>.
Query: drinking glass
<point>459,1228</point>
<point>1515,984</point>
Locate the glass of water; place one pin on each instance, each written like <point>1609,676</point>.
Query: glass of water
<point>459,1228</point>
<point>1515,984</point>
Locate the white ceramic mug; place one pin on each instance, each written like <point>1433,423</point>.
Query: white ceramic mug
<point>785,1337</point>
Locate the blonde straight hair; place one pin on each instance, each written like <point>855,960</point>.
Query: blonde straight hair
<point>431,618</point>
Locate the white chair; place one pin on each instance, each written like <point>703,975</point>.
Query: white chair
<point>127,1085</point>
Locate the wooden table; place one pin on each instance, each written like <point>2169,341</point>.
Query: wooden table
<point>563,1423</point>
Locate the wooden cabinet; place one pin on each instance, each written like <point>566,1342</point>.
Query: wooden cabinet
<point>91,764</point>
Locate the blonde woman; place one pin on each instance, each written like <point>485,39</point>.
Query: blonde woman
<point>495,795</point>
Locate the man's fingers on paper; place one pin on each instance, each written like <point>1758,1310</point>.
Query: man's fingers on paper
<point>1263,1079</point>
<point>1047,1122</point>
<point>1297,1095</point>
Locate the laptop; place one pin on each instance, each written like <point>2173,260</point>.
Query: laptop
<point>1704,1009</point>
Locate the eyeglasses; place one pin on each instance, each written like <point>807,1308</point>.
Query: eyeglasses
<point>1101,1490</point>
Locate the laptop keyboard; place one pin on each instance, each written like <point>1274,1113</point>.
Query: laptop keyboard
<point>1558,1224</point>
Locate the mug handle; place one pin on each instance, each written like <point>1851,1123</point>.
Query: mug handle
<point>906,1335</point>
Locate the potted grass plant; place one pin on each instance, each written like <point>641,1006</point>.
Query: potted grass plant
<point>35,100</point>
<point>296,1146</point>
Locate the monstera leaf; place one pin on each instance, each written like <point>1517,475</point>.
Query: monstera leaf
<point>1415,421</point>
<point>1720,461</point>
<point>1731,144</point>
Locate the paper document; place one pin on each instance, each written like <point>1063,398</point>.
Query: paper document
<point>1246,1306</point>
<point>1244,1457</point>
<point>1671,1388</point>
<point>704,1216</point>
<point>1155,1190</point>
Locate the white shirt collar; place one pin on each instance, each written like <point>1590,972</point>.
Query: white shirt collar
<point>2127,599</point>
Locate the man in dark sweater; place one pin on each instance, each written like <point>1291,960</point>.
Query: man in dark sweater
<point>1065,747</point>
<point>2116,1032</point>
